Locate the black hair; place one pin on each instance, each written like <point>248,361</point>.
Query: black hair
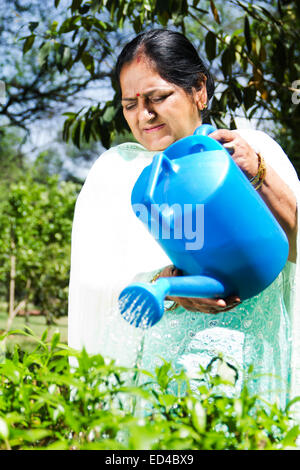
<point>174,56</point>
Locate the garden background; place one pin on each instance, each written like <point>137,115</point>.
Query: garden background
<point>59,110</point>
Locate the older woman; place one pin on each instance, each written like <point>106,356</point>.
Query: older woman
<point>165,88</point>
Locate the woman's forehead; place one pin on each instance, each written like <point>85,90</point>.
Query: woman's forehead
<point>141,77</point>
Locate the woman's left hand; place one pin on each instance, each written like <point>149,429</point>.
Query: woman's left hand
<point>203,305</point>
<point>242,153</point>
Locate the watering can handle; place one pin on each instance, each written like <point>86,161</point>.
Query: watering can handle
<point>160,162</point>
<point>198,142</point>
<point>204,129</point>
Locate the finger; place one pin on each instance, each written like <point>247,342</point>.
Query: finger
<point>168,271</point>
<point>223,135</point>
<point>229,146</point>
<point>221,303</point>
<point>200,304</point>
<point>232,299</point>
<point>209,305</point>
<point>231,302</point>
<point>176,271</point>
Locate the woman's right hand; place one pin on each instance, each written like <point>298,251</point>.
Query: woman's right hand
<point>195,304</point>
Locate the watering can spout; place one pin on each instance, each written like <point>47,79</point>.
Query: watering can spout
<point>142,304</point>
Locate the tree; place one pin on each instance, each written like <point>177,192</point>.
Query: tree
<point>256,63</point>
<point>35,224</point>
<point>35,87</point>
<point>12,159</point>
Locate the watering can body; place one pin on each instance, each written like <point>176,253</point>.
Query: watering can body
<point>207,217</point>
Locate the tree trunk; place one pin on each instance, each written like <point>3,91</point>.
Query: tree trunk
<point>21,305</point>
<point>12,285</point>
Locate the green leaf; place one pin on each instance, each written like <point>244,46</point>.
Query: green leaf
<point>44,52</point>
<point>28,43</point>
<point>291,436</point>
<point>280,57</point>
<point>87,129</point>
<point>44,335</point>
<point>75,5</point>
<point>247,34</point>
<point>227,59</point>
<point>33,25</point>
<point>168,400</point>
<point>76,134</point>
<point>108,114</point>
<point>81,49</point>
<point>292,402</point>
<point>66,56</point>
<point>32,435</point>
<point>105,136</point>
<point>249,96</point>
<point>198,417</point>
<point>88,62</point>
<point>162,376</point>
<point>4,431</point>
<point>55,340</point>
<point>210,45</point>
<point>54,26</point>
<point>69,24</point>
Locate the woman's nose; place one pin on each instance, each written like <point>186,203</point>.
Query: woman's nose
<point>146,113</point>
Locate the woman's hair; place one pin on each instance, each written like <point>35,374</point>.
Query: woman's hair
<point>175,59</point>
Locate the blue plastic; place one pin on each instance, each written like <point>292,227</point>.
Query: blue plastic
<point>195,189</point>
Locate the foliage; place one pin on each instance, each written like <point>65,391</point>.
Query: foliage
<point>12,160</point>
<point>35,222</point>
<point>255,58</point>
<point>47,404</point>
<point>32,90</point>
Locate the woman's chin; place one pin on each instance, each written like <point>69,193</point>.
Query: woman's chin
<point>157,145</point>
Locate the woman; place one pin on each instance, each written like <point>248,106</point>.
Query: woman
<point>165,88</point>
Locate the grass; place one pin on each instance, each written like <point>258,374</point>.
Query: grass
<point>36,323</point>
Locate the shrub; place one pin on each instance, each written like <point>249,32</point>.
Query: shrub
<point>47,404</point>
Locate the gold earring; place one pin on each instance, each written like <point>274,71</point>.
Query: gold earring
<point>204,106</point>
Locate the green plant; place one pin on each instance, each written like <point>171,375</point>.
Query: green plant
<point>35,222</point>
<point>45,403</point>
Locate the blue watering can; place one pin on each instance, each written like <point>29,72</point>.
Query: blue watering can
<point>208,218</point>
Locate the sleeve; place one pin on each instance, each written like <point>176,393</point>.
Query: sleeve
<point>274,156</point>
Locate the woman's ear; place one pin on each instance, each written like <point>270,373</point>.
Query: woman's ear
<point>201,94</point>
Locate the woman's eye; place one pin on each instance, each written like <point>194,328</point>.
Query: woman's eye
<point>152,99</point>
<point>158,99</point>
<point>128,107</point>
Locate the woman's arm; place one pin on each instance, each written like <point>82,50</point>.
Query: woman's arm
<point>282,202</point>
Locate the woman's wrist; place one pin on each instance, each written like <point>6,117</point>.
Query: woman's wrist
<point>258,179</point>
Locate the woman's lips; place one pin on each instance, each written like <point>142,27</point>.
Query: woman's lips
<point>154,128</point>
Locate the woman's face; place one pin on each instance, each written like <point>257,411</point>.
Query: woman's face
<point>157,112</point>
